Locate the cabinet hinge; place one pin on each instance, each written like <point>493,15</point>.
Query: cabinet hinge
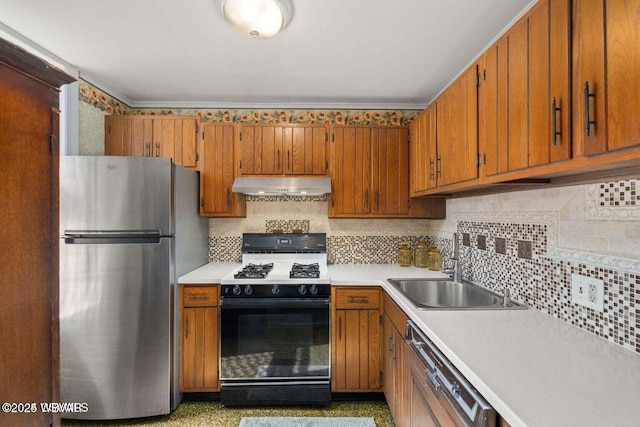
<point>482,159</point>
<point>197,157</point>
<point>326,164</point>
<point>201,202</point>
<point>477,79</point>
<point>239,164</point>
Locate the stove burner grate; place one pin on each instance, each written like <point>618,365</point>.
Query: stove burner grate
<point>254,271</point>
<point>304,271</point>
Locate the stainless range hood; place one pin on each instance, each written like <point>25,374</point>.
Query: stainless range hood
<point>279,186</point>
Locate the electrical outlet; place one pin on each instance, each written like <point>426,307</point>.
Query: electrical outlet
<point>587,291</point>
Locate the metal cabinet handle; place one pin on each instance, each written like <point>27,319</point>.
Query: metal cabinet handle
<point>157,149</point>
<point>358,300</point>
<point>198,298</point>
<point>554,121</point>
<point>587,109</point>
<point>431,172</point>
<point>147,149</point>
<point>438,167</point>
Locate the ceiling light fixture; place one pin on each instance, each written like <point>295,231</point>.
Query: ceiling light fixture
<point>257,19</point>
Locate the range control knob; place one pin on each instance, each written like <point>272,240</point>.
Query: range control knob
<point>313,290</point>
<point>275,290</point>
<point>237,290</point>
<point>302,290</point>
<point>248,290</point>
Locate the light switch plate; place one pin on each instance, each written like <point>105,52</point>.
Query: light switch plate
<point>587,291</point>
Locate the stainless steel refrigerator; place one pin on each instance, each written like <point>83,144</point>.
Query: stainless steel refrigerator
<point>129,227</point>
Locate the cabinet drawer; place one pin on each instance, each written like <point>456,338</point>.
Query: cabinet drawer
<point>199,296</point>
<point>357,298</point>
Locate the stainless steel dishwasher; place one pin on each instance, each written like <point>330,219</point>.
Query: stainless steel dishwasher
<point>440,395</point>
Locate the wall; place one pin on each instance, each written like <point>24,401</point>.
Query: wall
<point>529,241</point>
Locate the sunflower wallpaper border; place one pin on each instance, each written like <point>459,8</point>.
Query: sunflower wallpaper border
<point>110,105</point>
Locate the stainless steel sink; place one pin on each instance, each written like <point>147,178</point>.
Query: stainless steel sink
<point>444,294</point>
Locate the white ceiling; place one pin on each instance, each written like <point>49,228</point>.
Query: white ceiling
<point>333,53</point>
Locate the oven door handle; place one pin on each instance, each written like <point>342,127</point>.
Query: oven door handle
<point>252,303</point>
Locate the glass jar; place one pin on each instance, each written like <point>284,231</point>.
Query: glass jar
<point>404,255</point>
<point>421,255</point>
<point>435,259</point>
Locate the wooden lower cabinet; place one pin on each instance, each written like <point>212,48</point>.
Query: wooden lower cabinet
<point>199,338</point>
<point>394,376</point>
<point>356,339</point>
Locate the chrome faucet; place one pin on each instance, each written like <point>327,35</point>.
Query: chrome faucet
<point>506,300</point>
<point>455,272</point>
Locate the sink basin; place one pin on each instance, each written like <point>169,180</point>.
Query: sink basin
<point>444,294</point>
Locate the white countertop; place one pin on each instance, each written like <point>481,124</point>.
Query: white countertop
<point>534,369</point>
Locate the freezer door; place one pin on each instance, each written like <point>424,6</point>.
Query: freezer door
<point>108,193</point>
<point>115,325</point>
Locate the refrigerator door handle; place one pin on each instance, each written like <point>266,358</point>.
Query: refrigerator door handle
<point>111,237</point>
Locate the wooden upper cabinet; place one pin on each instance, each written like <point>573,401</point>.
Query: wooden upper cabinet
<point>423,151</point>
<point>267,149</point>
<point>218,171</point>
<point>174,137</point>
<point>456,124</point>
<point>350,171</point>
<point>606,66</point>
<point>524,92</point>
<point>370,175</point>
<point>390,170</point>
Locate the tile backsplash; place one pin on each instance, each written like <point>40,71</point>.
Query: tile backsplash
<point>530,242</point>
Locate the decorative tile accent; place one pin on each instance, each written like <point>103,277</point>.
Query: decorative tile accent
<point>524,249</point>
<point>618,200</point>
<point>225,248</point>
<point>466,239</point>
<point>482,242</point>
<point>368,249</point>
<point>287,226</point>
<point>544,283</point>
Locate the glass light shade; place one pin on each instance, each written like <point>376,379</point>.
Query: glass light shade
<point>257,19</point>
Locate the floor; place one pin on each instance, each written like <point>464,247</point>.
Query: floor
<point>211,413</point>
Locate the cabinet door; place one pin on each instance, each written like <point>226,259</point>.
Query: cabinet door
<point>200,349</point>
<point>548,77</point>
<point>139,136</point>
<point>305,150</point>
<point>457,130</point>
<point>114,136</point>
<point>351,170</point>
<point>395,373</point>
<point>218,172</point>
<point>261,150</point>
<point>356,341</point>
<point>175,138</point>
<point>422,149</point>
<point>390,167</point>
<point>606,67</point>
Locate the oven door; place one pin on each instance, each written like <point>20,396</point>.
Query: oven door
<point>274,351</point>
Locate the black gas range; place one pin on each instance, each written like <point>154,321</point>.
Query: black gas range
<point>275,313</point>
